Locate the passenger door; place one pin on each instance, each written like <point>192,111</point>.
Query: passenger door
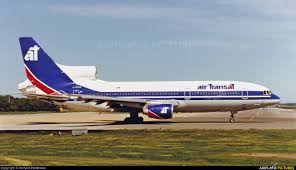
<point>245,94</point>
<point>187,94</point>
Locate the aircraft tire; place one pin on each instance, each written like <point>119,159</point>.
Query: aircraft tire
<point>232,120</point>
<point>130,120</point>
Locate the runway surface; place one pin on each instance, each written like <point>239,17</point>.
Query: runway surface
<point>266,118</point>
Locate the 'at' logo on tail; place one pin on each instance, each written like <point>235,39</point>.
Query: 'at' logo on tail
<point>32,54</point>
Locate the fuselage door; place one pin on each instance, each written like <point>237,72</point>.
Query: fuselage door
<point>245,94</point>
<point>187,94</point>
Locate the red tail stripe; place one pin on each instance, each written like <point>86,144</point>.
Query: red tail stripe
<point>38,84</point>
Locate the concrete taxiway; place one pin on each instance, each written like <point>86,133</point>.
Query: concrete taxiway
<point>266,118</point>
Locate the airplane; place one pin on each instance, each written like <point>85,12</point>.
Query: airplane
<point>78,87</point>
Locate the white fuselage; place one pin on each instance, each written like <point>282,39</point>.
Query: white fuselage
<point>189,96</point>
<point>186,96</point>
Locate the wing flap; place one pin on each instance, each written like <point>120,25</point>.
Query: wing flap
<point>47,96</point>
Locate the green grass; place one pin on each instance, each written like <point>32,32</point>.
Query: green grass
<point>153,147</point>
<point>287,106</point>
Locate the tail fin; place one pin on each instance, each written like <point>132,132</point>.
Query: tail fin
<point>41,70</point>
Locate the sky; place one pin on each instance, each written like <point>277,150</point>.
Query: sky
<point>168,40</point>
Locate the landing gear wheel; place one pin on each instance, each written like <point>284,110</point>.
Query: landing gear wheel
<point>127,120</point>
<point>232,120</point>
<point>132,120</point>
<point>141,120</point>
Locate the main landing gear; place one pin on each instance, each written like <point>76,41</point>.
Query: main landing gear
<point>134,118</point>
<point>232,119</point>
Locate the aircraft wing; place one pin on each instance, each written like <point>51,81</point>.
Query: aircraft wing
<point>107,98</point>
<point>137,103</point>
<point>129,102</point>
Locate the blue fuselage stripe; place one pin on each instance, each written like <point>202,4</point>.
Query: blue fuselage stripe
<point>188,95</point>
<point>174,93</point>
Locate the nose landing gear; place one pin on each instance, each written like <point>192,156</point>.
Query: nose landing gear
<point>232,119</point>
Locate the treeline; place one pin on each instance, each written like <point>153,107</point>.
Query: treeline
<point>11,104</point>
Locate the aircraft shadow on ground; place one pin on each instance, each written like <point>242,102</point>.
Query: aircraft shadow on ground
<point>179,122</point>
<point>108,123</point>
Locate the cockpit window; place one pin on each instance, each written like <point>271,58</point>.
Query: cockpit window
<point>267,92</point>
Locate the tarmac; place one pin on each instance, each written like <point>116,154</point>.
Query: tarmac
<point>265,118</point>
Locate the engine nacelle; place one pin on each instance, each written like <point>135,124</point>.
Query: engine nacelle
<point>159,111</point>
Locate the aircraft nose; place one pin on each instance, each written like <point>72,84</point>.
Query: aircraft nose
<point>275,99</point>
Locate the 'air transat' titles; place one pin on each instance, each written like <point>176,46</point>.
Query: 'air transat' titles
<point>216,87</point>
